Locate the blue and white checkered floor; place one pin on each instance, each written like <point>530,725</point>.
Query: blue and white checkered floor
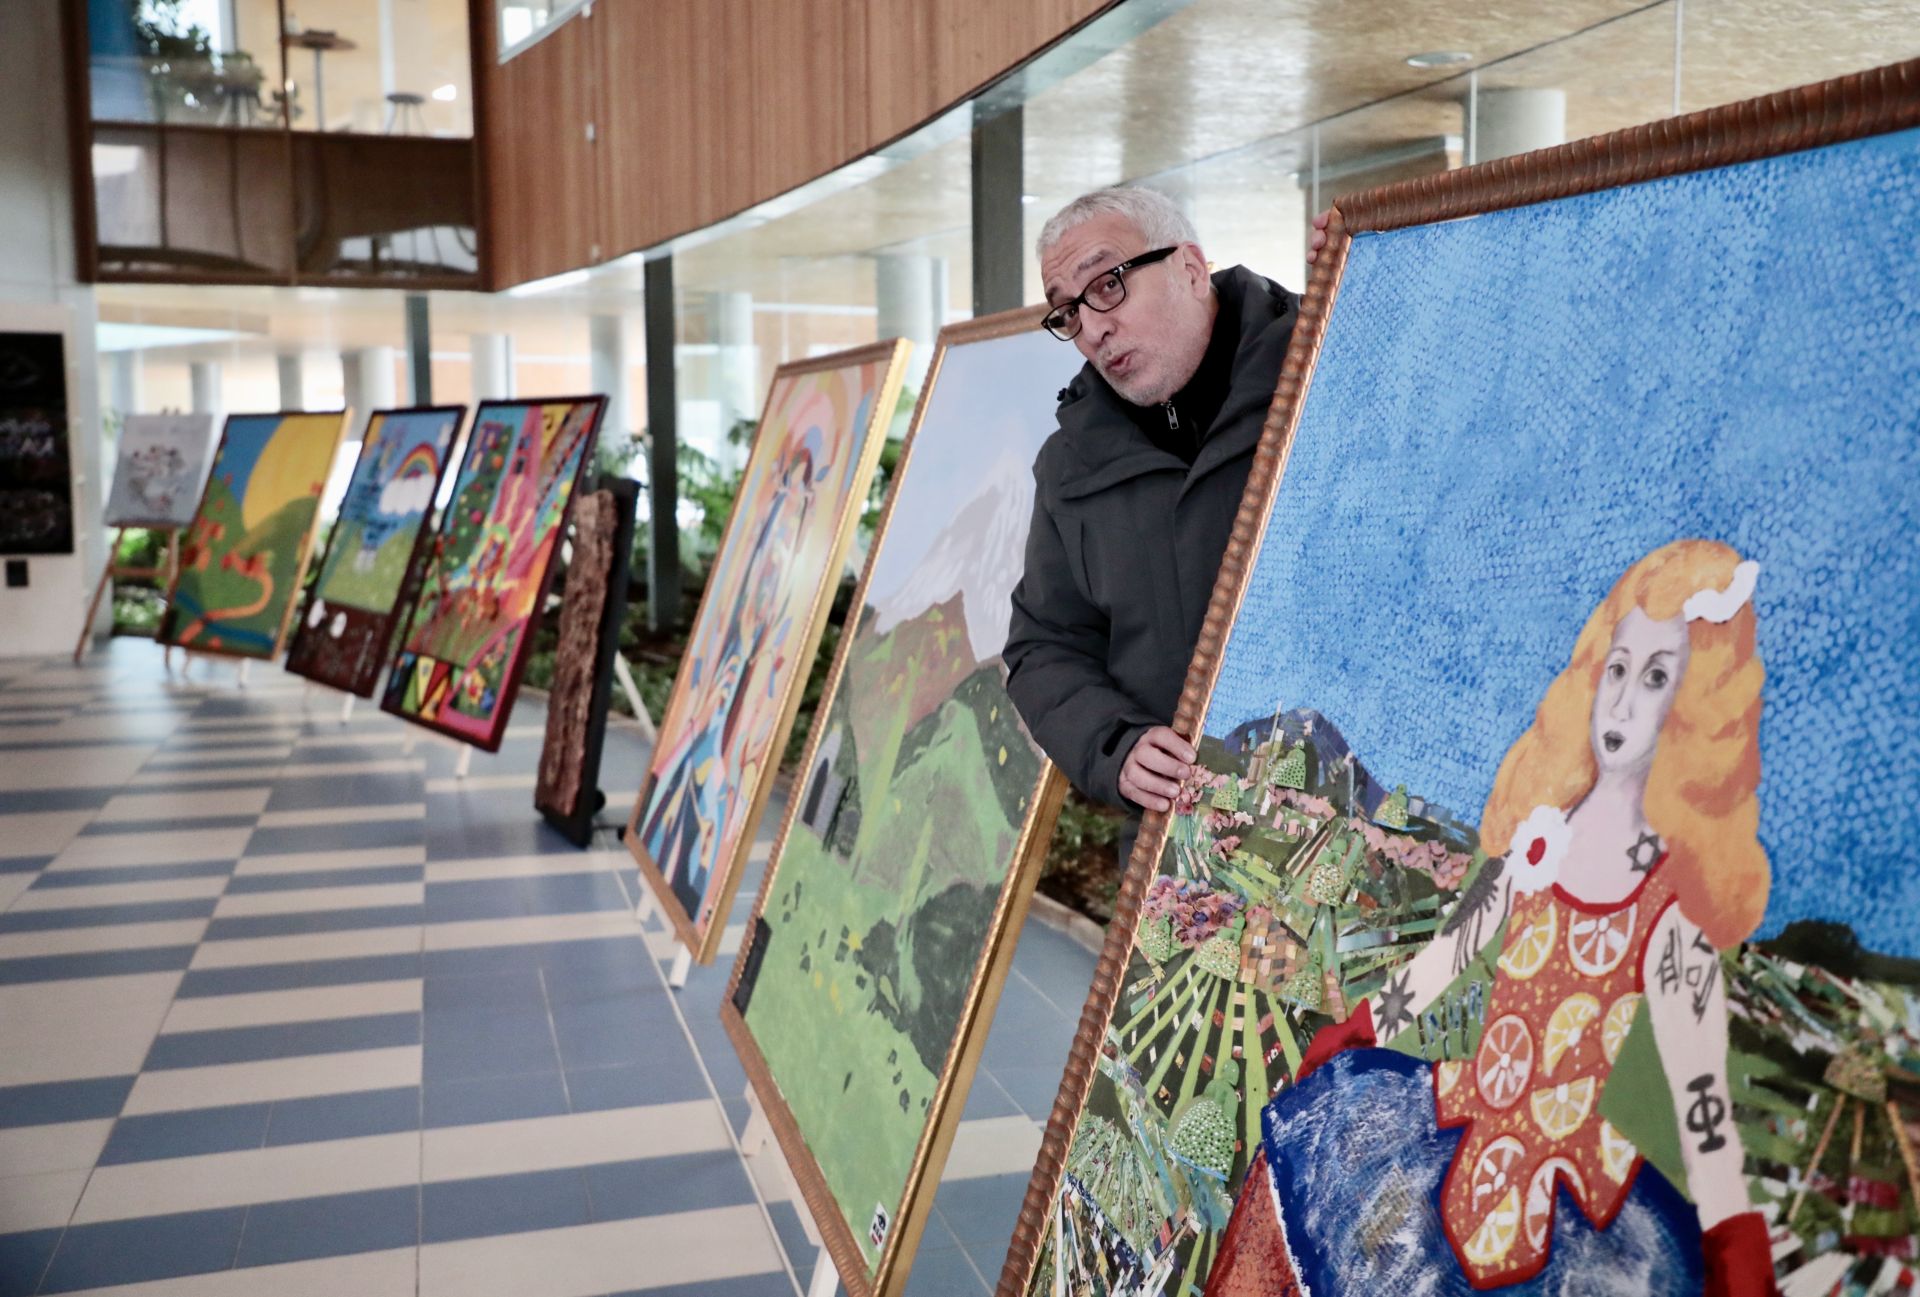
<point>286,1008</point>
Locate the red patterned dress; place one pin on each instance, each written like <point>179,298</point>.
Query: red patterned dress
<point>1570,982</point>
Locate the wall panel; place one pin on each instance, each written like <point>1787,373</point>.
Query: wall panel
<point>707,107</point>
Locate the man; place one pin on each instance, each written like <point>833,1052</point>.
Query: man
<point>1136,492</point>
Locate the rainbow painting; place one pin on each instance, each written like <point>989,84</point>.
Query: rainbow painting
<point>377,545</point>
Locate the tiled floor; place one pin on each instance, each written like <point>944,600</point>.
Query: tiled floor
<point>288,1008</point>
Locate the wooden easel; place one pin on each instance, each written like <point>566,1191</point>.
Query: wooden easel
<point>170,571</point>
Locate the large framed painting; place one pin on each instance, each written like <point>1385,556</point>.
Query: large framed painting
<point>1541,916</point>
<point>158,470</point>
<point>343,633</point>
<point>245,554</point>
<point>757,631</point>
<point>915,834</point>
<point>457,665</point>
<point>36,493</point>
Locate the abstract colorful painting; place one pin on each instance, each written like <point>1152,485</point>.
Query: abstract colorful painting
<point>758,629</point>
<point>459,659</point>
<point>1542,916</point>
<point>895,892</point>
<point>158,469</point>
<point>245,551</point>
<point>36,491</point>
<point>342,635</point>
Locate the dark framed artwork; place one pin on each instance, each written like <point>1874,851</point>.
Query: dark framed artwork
<point>592,612</point>
<point>916,832</point>
<point>343,634</point>
<point>36,490</point>
<point>457,664</point>
<point>1542,910</point>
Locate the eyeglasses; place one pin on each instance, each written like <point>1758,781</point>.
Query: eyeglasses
<point>1108,290</point>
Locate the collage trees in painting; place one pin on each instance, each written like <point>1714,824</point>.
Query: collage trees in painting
<point>757,631</point>
<point>342,636</point>
<point>1542,916</point>
<point>896,889</point>
<point>245,551</point>
<point>459,659</point>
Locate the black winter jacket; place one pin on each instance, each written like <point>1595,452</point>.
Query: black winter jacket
<point>1125,545</point>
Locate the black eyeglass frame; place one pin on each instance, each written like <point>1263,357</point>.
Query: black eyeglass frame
<point>1119,273</point>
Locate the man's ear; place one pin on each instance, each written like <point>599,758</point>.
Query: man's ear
<point>1199,274</point>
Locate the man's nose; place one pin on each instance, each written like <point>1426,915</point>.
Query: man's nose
<point>1096,327</point>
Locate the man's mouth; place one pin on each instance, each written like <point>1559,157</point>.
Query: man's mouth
<point>1612,740</point>
<point>1117,364</point>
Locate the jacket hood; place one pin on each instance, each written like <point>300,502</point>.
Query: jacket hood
<point>1098,445</point>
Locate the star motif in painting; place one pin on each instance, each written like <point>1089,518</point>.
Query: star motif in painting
<point>1396,1006</point>
<point>1644,853</point>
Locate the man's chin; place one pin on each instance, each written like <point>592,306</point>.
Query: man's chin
<point>1135,392</point>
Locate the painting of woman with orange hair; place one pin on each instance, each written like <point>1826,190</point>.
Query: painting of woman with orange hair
<point>1621,837</point>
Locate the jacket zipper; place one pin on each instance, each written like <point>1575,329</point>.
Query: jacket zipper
<point>1173,417</point>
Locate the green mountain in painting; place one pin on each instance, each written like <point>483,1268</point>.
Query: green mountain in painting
<point>885,896</point>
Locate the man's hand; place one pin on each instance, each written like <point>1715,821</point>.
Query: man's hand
<point>1151,776</point>
<point>1318,239</point>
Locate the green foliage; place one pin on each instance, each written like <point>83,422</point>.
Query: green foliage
<point>1083,866</point>
<point>162,31</point>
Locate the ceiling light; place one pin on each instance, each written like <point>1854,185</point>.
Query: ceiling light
<point>1440,59</point>
<point>446,93</point>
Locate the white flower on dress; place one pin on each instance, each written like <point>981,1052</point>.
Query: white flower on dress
<point>1539,845</point>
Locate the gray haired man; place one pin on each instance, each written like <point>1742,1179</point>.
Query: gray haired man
<point>1136,492</point>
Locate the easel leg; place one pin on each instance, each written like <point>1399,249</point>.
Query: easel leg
<point>682,965</point>
<point>346,709</point>
<point>826,1279</point>
<point>624,674</point>
<point>643,909</point>
<point>244,664</point>
<point>466,762</point>
<point>758,1133</point>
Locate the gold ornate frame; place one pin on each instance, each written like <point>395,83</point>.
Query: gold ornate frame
<point>296,600</point>
<point>704,943</point>
<point>1830,112</point>
<point>989,972</point>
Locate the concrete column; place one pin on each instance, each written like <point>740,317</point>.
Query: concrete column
<point>419,350</point>
<point>293,380</point>
<point>663,475</point>
<point>204,376</point>
<point>607,372</point>
<point>911,293</point>
<point>366,377</point>
<point>492,366</point>
<point>999,239</point>
<point>736,365</point>
<point>1511,120</point>
<point>124,372</point>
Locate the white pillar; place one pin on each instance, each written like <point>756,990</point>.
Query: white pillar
<point>491,366</point>
<point>205,378</point>
<point>911,294</point>
<point>124,372</point>
<point>607,370</point>
<point>366,376</point>
<point>737,363</point>
<point>293,380</point>
<point>1516,119</point>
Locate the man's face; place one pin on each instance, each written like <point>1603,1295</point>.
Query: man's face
<point>1151,344</point>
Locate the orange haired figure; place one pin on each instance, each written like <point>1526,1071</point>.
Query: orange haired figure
<point>1623,855</point>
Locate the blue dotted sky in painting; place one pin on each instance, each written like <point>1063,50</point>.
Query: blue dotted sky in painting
<point>1510,410</point>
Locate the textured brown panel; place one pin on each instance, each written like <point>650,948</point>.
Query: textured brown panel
<point>1868,103</point>
<point>577,659</point>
